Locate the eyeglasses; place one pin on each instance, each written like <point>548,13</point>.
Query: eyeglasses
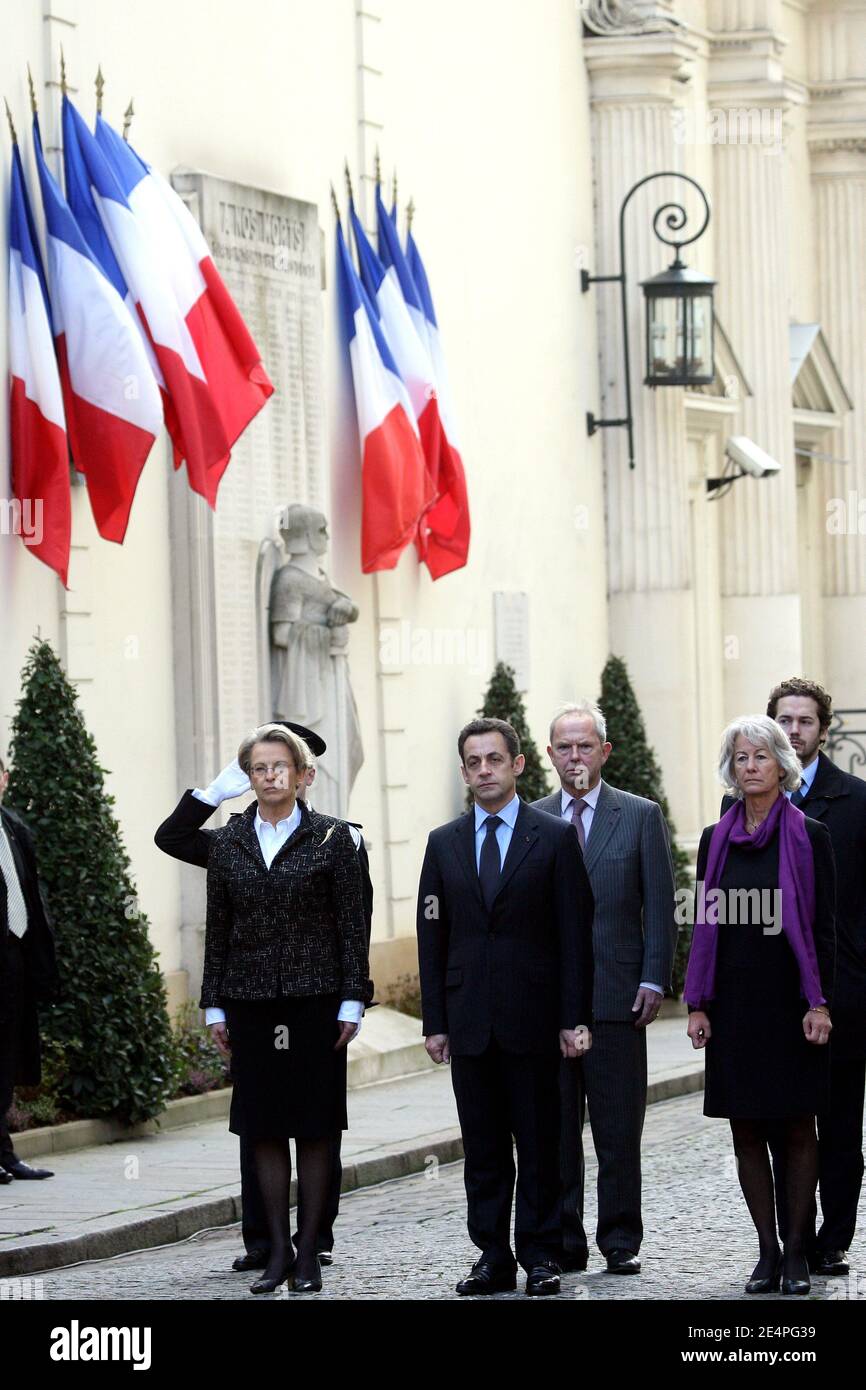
<point>261,769</point>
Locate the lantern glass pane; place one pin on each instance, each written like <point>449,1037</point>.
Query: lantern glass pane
<point>663,336</point>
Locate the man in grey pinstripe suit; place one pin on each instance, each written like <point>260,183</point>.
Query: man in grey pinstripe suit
<point>628,860</point>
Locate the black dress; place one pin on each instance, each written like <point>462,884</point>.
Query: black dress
<point>758,1062</point>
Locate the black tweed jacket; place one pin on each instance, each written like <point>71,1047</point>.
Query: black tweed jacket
<point>294,929</point>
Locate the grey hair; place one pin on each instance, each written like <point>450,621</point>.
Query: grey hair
<point>275,733</point>
<point>585,709</point>
<point>761,730</point>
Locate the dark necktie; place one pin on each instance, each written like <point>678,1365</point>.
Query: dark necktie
<point>798,797</point>
<point>489,867</point>
<point>578,806</point>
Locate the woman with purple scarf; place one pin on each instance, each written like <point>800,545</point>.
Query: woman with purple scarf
<point>759,982</point>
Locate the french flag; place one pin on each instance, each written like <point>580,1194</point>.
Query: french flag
<point>39,448</point>
<point>407,348</point>
<point>227,355</point>
<point>191,415</point>
<point>393,474</point>
<point>447,524</point>
<point>113,406</point>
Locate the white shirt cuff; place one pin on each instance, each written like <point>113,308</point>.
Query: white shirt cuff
<point>645,984</point>
<point>351,1011</point>
<point>214,1016</point>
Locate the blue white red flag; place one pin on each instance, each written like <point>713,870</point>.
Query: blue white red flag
<point>447,525</point>
<point>229,358</point>
<point>112,401</point>
<point>393,473</point>
<point>39,449</point>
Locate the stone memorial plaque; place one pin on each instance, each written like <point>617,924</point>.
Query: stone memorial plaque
<point>511,634</point>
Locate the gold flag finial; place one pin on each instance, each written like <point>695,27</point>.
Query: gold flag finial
<point>33,107</point>
<point>410,213</point>
<point>334,204</point>
<point>349,183</point>
<point>100,87</point>
<point>127,119</point>
<point>62,71</point>
<point>394,188</point>
<point>377,167</point>
<point>11,123</point>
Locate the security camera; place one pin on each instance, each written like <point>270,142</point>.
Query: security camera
<point>750,458</point>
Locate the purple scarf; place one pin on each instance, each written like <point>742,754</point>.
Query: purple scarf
<point>797,884</point>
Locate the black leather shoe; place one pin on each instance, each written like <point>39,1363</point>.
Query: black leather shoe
<point>542,1280</point>
<point>254,1259</point>
<point>622,1262</point>
<point>766,1283</point>
<point>4,1176</point>
<point>800,1283</point>
<point>268,1285</point>
<point>488,1278</point>
<point>313,1285</point>
<point>325,1257</point>
<point>22,1170</point>
<point>571,1260</point>
<point>829,1264</point>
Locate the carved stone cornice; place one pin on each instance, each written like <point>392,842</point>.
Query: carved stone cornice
<point>606,17</point>
<point>639,69</point>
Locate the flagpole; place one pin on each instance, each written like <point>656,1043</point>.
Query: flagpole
<point>127,119</point>
<point>11,123</point>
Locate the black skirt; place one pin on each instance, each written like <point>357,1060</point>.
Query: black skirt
<point>289,1083</point>
<point>759,1065</point>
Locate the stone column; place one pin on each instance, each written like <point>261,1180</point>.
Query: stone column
<point>637,71</point>
<point>749,97</point>
<point>837,142</point>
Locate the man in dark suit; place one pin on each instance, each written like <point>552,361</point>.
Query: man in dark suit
<point>505,950</point>
<point>183,836</point>
<point>628,860</point>
<point>804,710</point>
<point>28,974</point>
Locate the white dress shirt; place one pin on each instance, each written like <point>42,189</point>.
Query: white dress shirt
<point>271,840</point>
<point>807,775</point>
<point>508,815</point>
<point>590,800</point>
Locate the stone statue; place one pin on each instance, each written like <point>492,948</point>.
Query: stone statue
<point>309,677</point>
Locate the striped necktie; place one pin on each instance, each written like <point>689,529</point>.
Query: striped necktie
<point>16,908</point>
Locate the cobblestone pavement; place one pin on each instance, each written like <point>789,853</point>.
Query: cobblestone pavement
<point>407,1239</point>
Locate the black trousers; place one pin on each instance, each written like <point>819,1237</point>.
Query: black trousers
<point>254,1226</point>
<point>840,1159</point>
<point>506,1099</point>
<point>612,1077</point>
<point>12,983</point>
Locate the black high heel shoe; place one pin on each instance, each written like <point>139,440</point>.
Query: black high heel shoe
<point>768,1283</point>
<point>801,1285</point>
<point>309,1285</point>
<point>268,1285</point>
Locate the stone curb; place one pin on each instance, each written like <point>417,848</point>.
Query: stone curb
<point>193,1110</point>
<point>168,1227</point>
